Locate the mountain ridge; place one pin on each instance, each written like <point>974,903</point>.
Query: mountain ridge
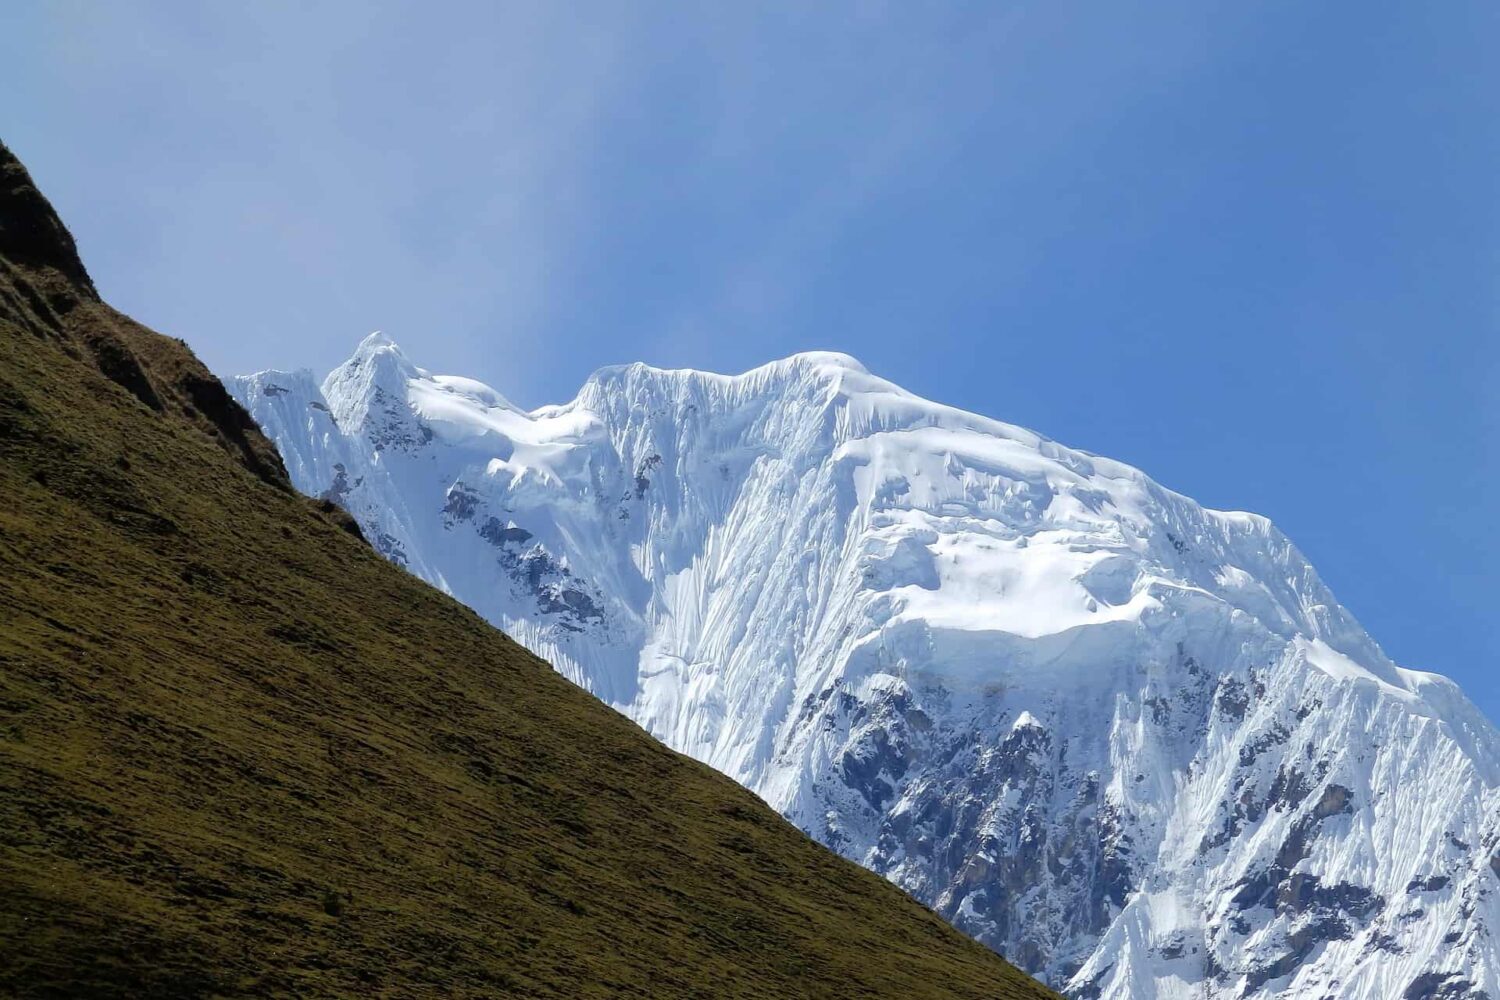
<point>849,599</point>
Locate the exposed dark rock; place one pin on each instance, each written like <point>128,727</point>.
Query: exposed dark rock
<point>460,503</point>
<point>1433,883</point>
<point>1113,883</point>
<point>323,408</point>
<point>1273,737</point>
<point>31,234</point>
<point>1289,789</point>
<point>339,488</point>
<point>1233,700</point>
<point>498,534</point>
<point>390,546</point>
<point>1302,942</point>
<point>1301,893</point>
<point>556,590</point>
<point>1161,709</point>
<point>1175,947</point>
<point>642,474</point>
<point>1289,892</point>
<point>555,599</point>
<point>1336,799</point>
<point>1247,809</point>
<point>400,429</point>
<point>864,766</point>
<point>1425,986</point>
<point>1443,986</point>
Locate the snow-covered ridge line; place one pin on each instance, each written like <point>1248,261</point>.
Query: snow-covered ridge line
<point>1134,744</point>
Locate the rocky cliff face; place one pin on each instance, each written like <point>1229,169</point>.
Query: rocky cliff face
<point>1133,744</point>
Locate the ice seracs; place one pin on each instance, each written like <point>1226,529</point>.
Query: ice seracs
<point>1132,743</point>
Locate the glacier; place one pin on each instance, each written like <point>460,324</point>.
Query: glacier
<point>1133,744</point>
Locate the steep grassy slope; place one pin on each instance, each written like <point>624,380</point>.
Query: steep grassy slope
<point>242,754</point>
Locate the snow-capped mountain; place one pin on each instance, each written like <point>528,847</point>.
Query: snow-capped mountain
<point>1133,744</point>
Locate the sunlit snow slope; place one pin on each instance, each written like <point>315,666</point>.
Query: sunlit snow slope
<point>1133,744</point>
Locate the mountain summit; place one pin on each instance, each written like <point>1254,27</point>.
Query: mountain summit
<point>1134,744</point>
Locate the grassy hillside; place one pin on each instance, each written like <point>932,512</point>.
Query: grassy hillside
<point>242,754</point>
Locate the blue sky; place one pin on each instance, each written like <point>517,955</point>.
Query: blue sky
<point>1252,248</point>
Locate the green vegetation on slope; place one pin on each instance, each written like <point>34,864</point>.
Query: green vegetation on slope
<point>242,754</point>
